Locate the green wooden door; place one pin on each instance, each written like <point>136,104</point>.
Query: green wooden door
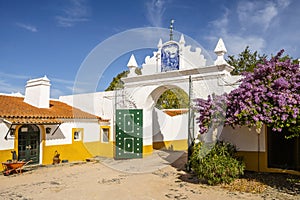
<point>129,133</point>
<point>29,143</point>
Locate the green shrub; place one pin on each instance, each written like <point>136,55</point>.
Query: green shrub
<point>216,163</point>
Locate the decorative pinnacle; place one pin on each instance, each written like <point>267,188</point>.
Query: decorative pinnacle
<point>132,62</point>
<point>132,65</point>
<point>159,45</point>
<point>182,41</point>
<point>171,29</point>
<point>220,50</point>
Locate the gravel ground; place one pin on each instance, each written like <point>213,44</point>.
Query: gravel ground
<point>98,180</point>
<point>268,185</point>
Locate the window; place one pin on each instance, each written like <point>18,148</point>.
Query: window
<point>105,134</point>
<point>24,129</point>
<point>77,134</point>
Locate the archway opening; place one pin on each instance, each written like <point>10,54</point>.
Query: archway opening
<point>173,101</point>
<point>170,118</point>
<point>174,98</point>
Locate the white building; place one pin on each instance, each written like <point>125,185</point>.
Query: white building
<point>133,126</point>
<point>37,128</point>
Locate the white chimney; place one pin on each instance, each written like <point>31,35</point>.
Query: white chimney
<point>37,92</point>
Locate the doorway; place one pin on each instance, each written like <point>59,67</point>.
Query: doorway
<point>129,133</point>
<point>283,153</point>
<point>29,143</point>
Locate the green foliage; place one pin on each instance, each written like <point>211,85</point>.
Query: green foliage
<point>246,61</point>
<point>117,83</point>
<point>173,99</point>
<point>216,163</point>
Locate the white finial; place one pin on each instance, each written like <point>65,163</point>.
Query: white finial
<point>132,65</point>
<point>182,40</point>
<point>46,78</point>
<point>220,50</point>
<point>132,62</point>
<point>220,47</point>
<point>159,45</point>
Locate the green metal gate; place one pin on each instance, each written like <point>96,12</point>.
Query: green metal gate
<point>129,133</point>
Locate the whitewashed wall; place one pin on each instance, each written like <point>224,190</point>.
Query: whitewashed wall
<point>244,139</point>
<point>91,131</point>
<point>99,103</point>
<point>218,85</point>
<point>63,135</point>
<point>167,128</point>
<point>5,144</point>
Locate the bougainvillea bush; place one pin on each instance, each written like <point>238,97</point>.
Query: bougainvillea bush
<point>270,95</point>
<point>212,110</point>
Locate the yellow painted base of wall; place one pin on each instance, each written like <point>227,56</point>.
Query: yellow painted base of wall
<point>108,149</point>
<point>5,155</point>
<point>100,149</point>
<point>259,162</point>
<point>147,150</point>
<point>253,160</point>
<point>176,145</point>
<point>71,152</point>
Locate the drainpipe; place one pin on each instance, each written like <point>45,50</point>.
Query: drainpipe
<point>190,128</point>
<point>298,152</point>
<point>258,150</point>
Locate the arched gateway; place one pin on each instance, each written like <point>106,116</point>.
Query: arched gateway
<point>173,65</point>
<point>135,127</point>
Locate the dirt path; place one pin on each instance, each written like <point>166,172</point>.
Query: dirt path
<point>95,180</point>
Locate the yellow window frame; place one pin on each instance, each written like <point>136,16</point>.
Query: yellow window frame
<point>102,132</point>
<point>76,131</point>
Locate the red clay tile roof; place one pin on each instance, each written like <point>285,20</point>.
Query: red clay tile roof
<point>15,110</point>
<point>174,112</point>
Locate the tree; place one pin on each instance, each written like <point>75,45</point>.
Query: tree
<point>270,95</point>
<point>117,83</point>
<point>173,99</point>
<point>246,61</point>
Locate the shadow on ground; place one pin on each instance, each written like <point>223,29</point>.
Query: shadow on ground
<point>285,183</point>
<point>180,164</point>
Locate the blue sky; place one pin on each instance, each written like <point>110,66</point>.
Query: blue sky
<point>55,37</point>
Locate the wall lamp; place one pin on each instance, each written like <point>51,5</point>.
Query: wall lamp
<point>48,130</point>
<point>12,131</point>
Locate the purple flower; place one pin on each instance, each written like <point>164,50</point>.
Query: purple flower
<point>281,83</point>
<point>269,95</point>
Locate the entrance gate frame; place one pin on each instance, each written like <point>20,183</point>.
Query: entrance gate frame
<point>199,81</point>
